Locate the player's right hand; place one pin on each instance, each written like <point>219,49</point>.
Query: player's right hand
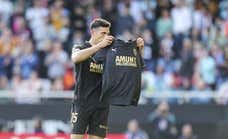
<point>106,41</point>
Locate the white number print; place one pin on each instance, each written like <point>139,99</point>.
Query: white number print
<point>74,117</point>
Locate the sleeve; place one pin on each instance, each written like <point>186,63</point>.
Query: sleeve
<point>78,46</point>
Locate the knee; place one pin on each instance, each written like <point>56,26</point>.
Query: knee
<point>76,136</point>
<point>95,137</point>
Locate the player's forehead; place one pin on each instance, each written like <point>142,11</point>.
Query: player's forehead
<point>103,29</point>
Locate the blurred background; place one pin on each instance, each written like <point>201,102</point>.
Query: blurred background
<point>184,84</point>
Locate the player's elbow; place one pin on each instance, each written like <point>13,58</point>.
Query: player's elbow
<point>75,58</point>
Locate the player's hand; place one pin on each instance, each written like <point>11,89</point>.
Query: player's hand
<point>140,42</point>
<point>106,41</point>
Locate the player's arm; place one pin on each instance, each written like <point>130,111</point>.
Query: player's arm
<point>81,55</point>
<point>140,44</point>
<point>78,55</point>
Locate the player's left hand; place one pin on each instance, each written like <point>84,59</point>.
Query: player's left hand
<point>140,42</point>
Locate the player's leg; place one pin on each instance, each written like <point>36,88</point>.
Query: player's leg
<point>76,136</point>
<point>79,121</point>
<point>98,123</point>
<point>95,137</point>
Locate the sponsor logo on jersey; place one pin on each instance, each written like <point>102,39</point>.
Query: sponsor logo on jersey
<point>98,68</point>
<point>126,61</point>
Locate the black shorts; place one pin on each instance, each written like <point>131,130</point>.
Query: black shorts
<point>90,120</point>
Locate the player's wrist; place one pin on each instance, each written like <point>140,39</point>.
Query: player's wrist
<point>98,47</point>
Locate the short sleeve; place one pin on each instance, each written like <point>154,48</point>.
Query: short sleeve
<point>78,46</point>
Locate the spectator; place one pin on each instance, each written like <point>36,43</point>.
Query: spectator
<point>38,125</point>
<point>59,21</point>
<point>28,61</point>
<point>6,63</point>
<point>166,46</point>
<point>134,131</point>
<point>136,10</point>
<point>4,83</point>
<point>207,69</point>
<point>6,10</point>
<point>58,14</point>
<point>148,49</point>
<point>60,34</point>
<point>37,16</point>
<point>19,27</point>
<point>224,66</point>
<point>93,12</point>
<point>8,42</point>
<point>163,122</point>
<point>187,132</point>
<point>56,60</point>
<point>77,38</point>
<point>198,83</point>
<point>19,8</point>
<point>126,35</point>
<point>125,20</point>
<point>223,7</point>
<point>109,12</point>
<point>160,78</point>
<point>201,17</point>
<point>181,14</point>
<point>164,24</point>
<point>78,20</point>
<point>187,64</point>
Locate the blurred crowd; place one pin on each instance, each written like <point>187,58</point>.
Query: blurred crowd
<point>186,44</point>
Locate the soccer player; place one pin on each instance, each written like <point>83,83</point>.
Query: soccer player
<point>88,113</point>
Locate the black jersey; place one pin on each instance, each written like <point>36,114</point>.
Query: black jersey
<point>88,80</point>
<point>121,79</point>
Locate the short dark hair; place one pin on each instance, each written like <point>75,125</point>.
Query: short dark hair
<point>99,22</point>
